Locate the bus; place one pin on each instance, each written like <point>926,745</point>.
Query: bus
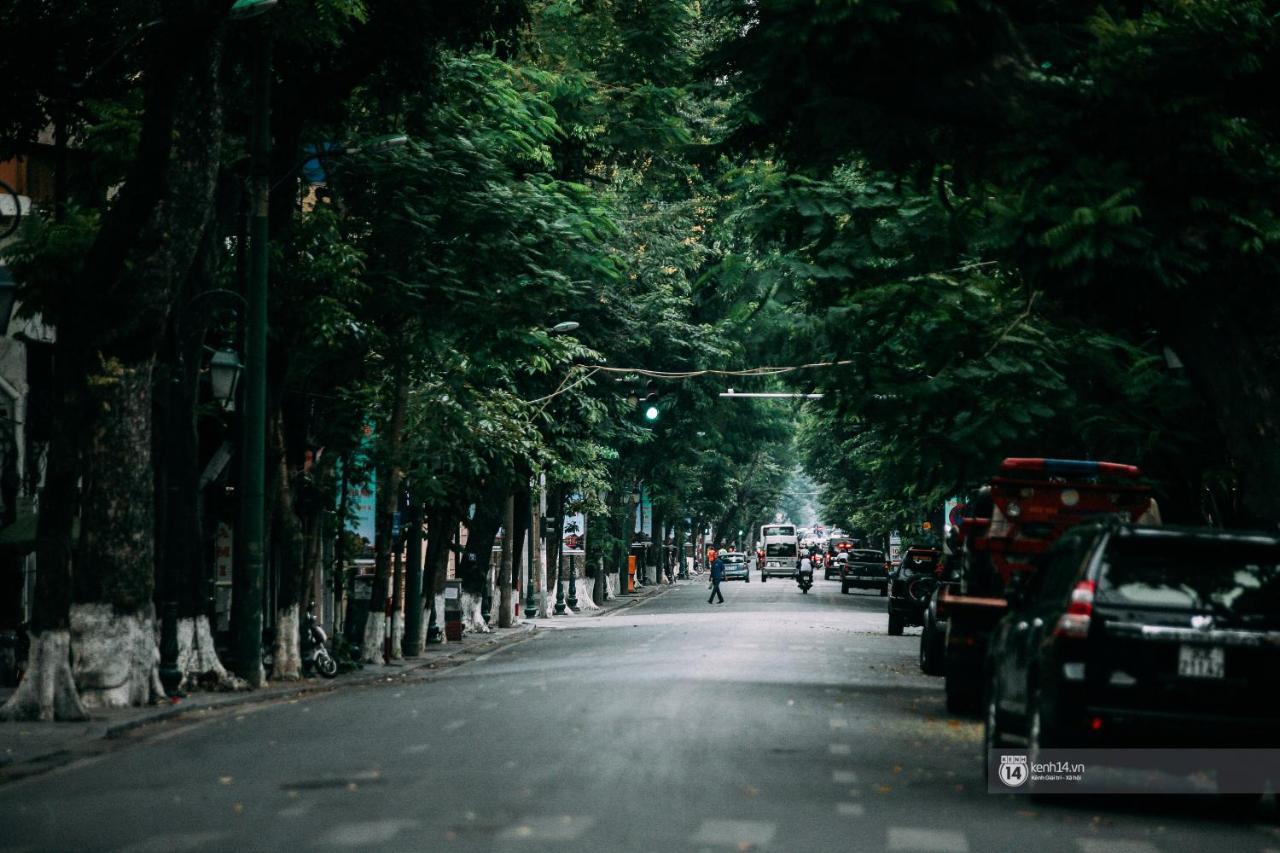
<point>781,550</point>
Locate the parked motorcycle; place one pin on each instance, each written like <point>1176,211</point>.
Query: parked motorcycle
<point>315,647</point>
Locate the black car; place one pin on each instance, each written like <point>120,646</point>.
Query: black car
<point>911,585</point>
<point>864,568</point>
<point>1141,637</point>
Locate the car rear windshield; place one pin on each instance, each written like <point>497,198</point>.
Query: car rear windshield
<point>1237,577</point>
<point>734,558</point>
<point>868,556</point>
<point>780,549</point>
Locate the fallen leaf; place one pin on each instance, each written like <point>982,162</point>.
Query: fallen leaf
<point>225,780</point>
<point>897,768</point>
<point>954,724</point>
<point>351,786</point>
<point>238,808</point>
<point>883,789</point>
<point>1025,813</point>
<point>751,792</point>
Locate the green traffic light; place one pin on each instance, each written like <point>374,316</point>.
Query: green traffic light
<point>651,413</point>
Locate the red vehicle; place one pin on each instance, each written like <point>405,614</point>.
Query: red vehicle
<point>1028,505</point>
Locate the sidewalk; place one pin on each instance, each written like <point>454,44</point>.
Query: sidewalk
<point>27,749</point>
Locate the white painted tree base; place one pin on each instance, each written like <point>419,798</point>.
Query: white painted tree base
<point>439,621</point>
<point>397,636</point>
<point>610,587</point>
<point>585,587</point>
<point>48,691</point>
<point>375,633</point>
<point>471,618</point>
<point>115,659</point>
<point>198,659</point>
<point>286,654</point>
<point>547,604</point>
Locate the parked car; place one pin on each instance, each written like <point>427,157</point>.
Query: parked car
<point>911,586</point>
<point>737,567</point>
<point>864,568</point>
<point>1141,637</point>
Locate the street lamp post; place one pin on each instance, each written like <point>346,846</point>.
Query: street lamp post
<point>246,602</point>
<point>531,590</point>
<point>572,600</point>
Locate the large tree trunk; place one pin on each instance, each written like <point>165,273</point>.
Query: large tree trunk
<point>48,691</point>
<point>114,654</point>
<point>505,605</point>
<point>388,498</point>
<point>476,556</point>
<point>287,549</point>
<point>441,523</point>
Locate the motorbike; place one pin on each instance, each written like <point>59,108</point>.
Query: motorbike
<point>315,648</point>
<point>804,580</point>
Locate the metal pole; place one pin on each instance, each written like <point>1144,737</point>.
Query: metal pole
<point>247,598</point>
<point>531,592</point>
<point>572,600</point>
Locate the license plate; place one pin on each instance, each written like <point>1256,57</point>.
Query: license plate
<point>1201,662</point>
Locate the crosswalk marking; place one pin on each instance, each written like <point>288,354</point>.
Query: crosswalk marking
<point>454,725</point>
<point>927,840</point>
<point>850,809</point>
<point>742,834</point>
<point>844,777</point>
<point>840,749</point>
<point>839,723</point>
<point>1115,845</point>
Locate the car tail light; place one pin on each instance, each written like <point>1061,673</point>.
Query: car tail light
<point>1075,622</point>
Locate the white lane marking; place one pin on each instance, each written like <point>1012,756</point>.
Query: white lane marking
<point>517,691</point>
<point>840,749</point>
<point>296,811</point>
<point>364,833</point>
<point>1115,845</point>
<point>838,723</point>
<point>454,726</point>
<point>844,777</point>
<point>927,840</point>
<point>417,748</point>
<point>548,828</point>
<point>742,834</point>
<point>167,843</point>
<point>850,809</point>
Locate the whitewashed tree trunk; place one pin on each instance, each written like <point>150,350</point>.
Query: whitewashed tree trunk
<point>198,659</point>
<point>471,618</point>
<point>610,587</point>
<point>48,691</point>
<point>286,654</point>
<point>375,632</point>
<point>439,620</point>
<point>115,658</point>
<point>397,635</point>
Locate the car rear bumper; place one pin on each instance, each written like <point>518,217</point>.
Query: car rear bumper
<point>1109,726</point>
<point>864,580</point>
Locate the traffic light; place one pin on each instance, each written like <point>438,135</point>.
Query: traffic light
<point>650,404</point>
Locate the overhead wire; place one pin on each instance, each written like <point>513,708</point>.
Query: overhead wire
<point>592,370</point>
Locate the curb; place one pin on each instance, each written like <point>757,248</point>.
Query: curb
<point>636,602</point>
<point>13,771</point>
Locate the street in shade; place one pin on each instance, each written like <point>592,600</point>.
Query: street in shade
<point>777,722</point>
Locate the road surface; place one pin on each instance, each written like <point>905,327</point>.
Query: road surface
<point>775,722</point>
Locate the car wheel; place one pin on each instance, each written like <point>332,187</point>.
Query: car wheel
<point>895,625</point>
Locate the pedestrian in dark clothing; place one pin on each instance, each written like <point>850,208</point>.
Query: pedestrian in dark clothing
<point>717,575</point>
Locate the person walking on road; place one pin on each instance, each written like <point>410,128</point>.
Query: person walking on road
<point>717,575</point>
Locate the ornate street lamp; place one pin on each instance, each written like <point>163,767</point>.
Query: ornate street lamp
<point>224,376</point>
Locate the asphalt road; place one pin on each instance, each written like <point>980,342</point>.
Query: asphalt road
<point>775,722</point>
